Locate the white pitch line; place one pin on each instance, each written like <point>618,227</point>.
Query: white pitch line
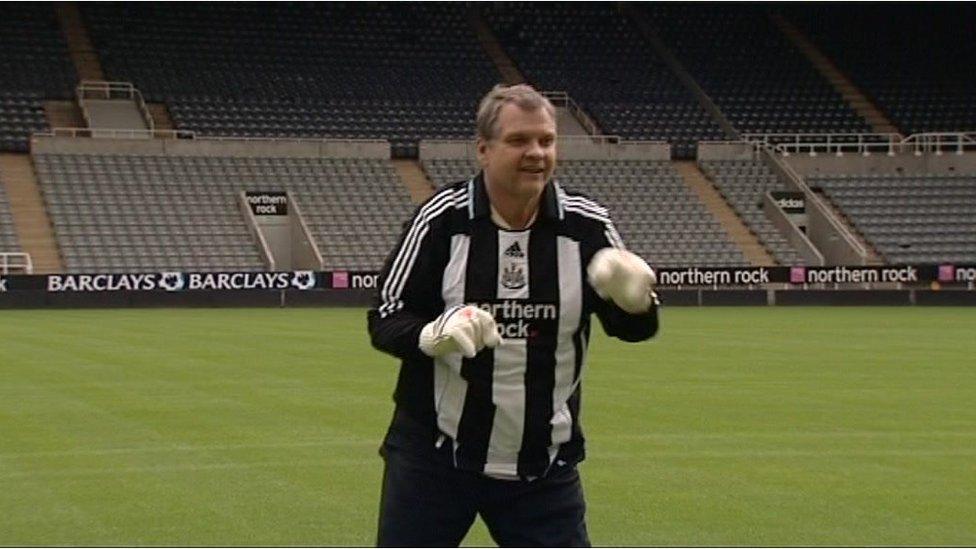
<point>97,471</point>
<point>187,448</point>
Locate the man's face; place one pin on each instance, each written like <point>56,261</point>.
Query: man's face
<point>521,157</point>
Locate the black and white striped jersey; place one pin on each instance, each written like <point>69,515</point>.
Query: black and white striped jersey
<point>512,411</point>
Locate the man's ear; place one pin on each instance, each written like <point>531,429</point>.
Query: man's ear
<point>482,149</point>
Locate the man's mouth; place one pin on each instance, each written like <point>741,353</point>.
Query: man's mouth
<point>533,170</point>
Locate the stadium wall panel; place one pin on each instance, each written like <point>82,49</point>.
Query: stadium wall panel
<point>278,148</point>
<point>843,297</point>
<point>85,300</point>
<point>734,297</point>
<point>945,297</point>
<point>679,297</point>
<point>329,298</point>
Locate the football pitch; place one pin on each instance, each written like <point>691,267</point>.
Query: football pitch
<point>735,426</point>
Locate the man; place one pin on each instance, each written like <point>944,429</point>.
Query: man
<point>487,302</point>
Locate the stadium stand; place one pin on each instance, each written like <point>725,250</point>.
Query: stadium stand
<point>34,65</point>
<point>8,233</point>
<point>915,62</point>
<point>751,70</point>
<point>395,71</point>
<point>117,213</point>
<point>910,218</point>
<point>743,183</point>
<point>658,217</point>
<point>407,72</point>
<point>596,55</point>
<point>355,208</point>
<point>125,212</point>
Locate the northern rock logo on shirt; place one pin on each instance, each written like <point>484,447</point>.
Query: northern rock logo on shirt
<point>517,319</point>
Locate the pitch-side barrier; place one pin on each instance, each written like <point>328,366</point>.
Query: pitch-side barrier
<point>944,284</point>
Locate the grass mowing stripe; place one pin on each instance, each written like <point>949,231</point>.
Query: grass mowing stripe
<point>755,426</point>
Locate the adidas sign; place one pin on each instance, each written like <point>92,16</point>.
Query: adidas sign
<point>514,250</point>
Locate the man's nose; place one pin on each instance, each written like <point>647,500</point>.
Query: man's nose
<point>534,150</point>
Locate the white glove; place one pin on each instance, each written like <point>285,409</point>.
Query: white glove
<point>461,329</point>
<point>624,278</point>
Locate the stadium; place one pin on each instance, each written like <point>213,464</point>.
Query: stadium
<point>196,200</point>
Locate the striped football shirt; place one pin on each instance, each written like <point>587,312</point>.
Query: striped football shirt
<point>513,411</point>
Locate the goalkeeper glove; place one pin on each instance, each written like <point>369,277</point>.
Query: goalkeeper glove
<point>463,328</point>
<point>624,278</point>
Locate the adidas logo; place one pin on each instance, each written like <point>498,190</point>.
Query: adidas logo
<point>514,251</point>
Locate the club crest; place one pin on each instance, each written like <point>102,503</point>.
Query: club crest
<point>513,276</point>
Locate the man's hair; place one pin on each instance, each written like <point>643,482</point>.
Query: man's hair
<point>523,95</point>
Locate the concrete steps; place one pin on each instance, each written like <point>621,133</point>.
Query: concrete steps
<point>63,114</point>
<point>414,179</point>
<point>80,47</point>
<point>567,123</point>
<point>844,86</point>
<point>30,215</point>
<point>114,114</point>
<point>873,257</point>
<point>506,67</point>
<point>160,115</point>
<point>737,230</point>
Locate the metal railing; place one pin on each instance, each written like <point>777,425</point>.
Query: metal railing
<point>97,89</point>
<point>865,143</point>
<point>941,142</point>
<point>562,99</point>
<point>18,262</point>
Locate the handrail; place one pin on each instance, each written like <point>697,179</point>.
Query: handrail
<point>305,230</point>
<point>582,117</point>
<point>865,143</point>
<point>112,90</point>
<point>935,141</point>
<point>106,87</point>
<point>7,265</point>
<point>256,231</point>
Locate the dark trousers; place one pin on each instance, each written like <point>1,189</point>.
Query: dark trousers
<point>425,503</point>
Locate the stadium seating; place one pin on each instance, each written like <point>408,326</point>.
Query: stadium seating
<point>751,71</point>
<point>658,217</point>
<point>120,213</point>
<point>743,183</point>
<point>915,61</point>
<point>596,55</point>
<point>395,71</point>
<point>910,218</point>
<point>8,235</point>
<point>34,65</point>
<point>355,208</point>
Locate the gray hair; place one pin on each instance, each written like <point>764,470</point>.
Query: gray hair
<point>523,95</point>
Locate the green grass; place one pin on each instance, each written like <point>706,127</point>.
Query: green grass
<point>736,426</point>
